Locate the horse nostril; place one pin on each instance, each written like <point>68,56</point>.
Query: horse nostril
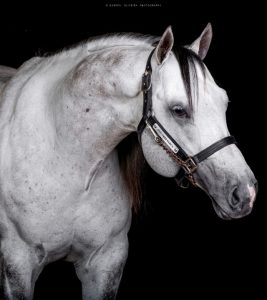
<point>242,196</point>
<point>235,199</point>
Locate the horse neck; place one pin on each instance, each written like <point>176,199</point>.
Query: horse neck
<point>89,124</point>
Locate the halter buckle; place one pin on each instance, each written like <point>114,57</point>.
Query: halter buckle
<point>189,165</point>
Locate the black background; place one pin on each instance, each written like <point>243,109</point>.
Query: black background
<point>179,248</point>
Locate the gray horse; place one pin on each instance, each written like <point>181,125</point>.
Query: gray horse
<point>65,193</point>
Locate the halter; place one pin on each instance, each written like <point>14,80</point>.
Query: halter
<point>188,164</point>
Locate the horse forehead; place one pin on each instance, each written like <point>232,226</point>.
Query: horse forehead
<point>171,78</point>
<point>174,87</point>
<point>171,70</point>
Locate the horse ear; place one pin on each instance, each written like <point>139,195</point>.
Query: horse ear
<point>164,46</point>
<point>201,45</point>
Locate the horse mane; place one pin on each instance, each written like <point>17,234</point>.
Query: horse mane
<point>100,42</point>
<point>132,165</point>
<point>120,39</point>
<point>131,158</point>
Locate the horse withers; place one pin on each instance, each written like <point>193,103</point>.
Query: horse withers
<point>66,188</point>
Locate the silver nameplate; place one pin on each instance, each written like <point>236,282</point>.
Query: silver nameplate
<point>164,137</point>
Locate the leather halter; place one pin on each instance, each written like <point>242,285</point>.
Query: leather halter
<point>188,164</point>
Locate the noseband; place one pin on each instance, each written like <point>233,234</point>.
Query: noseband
<point>188,164</point>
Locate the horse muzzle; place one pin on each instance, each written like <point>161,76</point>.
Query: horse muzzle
<point>239,202</point>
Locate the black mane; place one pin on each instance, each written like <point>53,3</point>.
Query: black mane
<point>187,61</point>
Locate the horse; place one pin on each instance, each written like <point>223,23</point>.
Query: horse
<point>71,160</point>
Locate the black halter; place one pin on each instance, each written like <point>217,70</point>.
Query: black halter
<point>187,163</point>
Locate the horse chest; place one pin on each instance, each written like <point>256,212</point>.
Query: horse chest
<point>52,204</point>
<point>104,209</point>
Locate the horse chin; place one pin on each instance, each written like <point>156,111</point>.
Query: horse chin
<point>218,209</point>
<point>220,212</point>
<point>225,215</point>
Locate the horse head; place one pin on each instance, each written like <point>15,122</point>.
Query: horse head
<point>189,110</point>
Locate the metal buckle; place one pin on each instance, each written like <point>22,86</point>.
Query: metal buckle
<point>189,165</point>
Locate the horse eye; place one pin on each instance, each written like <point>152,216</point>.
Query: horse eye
<point>179,111</point>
